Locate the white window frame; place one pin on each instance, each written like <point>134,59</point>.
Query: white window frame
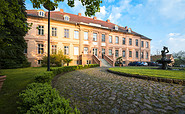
<point>117,53</point>
<point>147,44</point>
<point>40,30</point>
<point>110,51</point>
<point>54,49</point>
<point>76,34</point>
<point>124,41</point>
<point>54,31</point>
<point>66,18</point>
<point>103,38</point>
<point>85,35</point>
<point>117,40</point>
<point>85,50</point>
<point>76,50</point>
<point>95,51</point>
<point>66,50</point>
<point>41,13</point>
<point>94,36</point>
<point>66,33</point>
<point>110,39</point>
<point>40,48</point>
<point>123,53</point>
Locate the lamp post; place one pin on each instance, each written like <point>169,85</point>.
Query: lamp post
<point>50,7</point>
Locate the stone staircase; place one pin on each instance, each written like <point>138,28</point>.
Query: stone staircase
<point>104,63</point>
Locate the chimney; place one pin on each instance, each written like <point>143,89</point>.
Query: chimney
<point>79,14</point>
<point>95,18</point>
<point>62,10</point>
<point>126,27</point>
<point>108,21</point>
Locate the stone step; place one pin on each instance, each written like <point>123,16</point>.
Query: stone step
<point>105,63</point>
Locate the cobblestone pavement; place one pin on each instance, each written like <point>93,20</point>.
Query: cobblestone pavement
<point>95,90</point>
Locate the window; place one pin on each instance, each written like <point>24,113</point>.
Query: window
<point>41,13</point>
<point>66,33</point>
<point>142,43</point>
<point>25,50</point>
<point>41,30</point>
<point>117,53</point>
<point>76,62</point>
<point>129,30</point>
<point>136,42</point>
<point>66,50</point>
<point>85,35</point>
<point>66,18</point>
<point>117,40</point>
<point>39,62</point>
<point>146,55</point>
<point>116,27</point>
<point>147,45</point>
<point>130,53</point>
<point>76,34</point>
<point>94,37</point>
<point>85,50</point>
<point>130,41</point>
<point>123,40</point>
<point>95,51</point>
<point>137,54</point>
<point>142,55</point>
<point>54,31</point>
<point>110,51</point>
<point>40,48</point>
<point>54,49</point>
<point>88,61</point>
<point>76,51</point>
<point>123,52</point>
<point>103,38</point>
<point>123,62</point>
<point>110,39</point>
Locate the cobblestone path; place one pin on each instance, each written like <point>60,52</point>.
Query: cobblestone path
<point>95,90</point>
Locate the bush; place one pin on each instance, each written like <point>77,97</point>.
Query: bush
<point>93,65</point>
<point>41,98</point>
<point>80,66</point>
<point>45,77</point>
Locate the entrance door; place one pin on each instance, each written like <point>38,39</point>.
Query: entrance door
<point>103,52</point>
<point>95,51</point>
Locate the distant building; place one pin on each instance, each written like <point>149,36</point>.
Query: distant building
<point>154,58</point>
<point>85,40</point>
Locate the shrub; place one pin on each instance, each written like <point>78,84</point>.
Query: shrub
<point>80,66</point>
<point>45,77</point>
<point>41,98</point>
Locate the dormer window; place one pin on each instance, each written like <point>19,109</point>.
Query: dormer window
<point>116,27</point>
<point>66,18</point>
<point>41,13</point>
<point>129,30</point>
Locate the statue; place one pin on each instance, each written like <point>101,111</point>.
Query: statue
<point>164,61</point>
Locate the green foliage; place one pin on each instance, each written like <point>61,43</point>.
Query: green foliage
<point>179,58</point>
<point>56,60</point>
<point>147,71</point>
<point>13,28</point>
<point>80,66</point>
<point>92,6</point>
<point>42,98</point>
<point>45,77</point>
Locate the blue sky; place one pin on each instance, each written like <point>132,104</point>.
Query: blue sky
<point>161,20</point>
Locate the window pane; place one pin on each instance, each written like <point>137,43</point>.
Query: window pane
<point>110,39</point>
<point>85,35</point>
<point>117,40</point>
<point>76,51</point>
<point>103,37</point>
<point>76,34</point>
<point>123,53</point>
<point>94,37</point>
<point>123,40</point>
<point>110,51</point>
<point>130,53</point>
<point>130,41</point>
<point>85,50</point>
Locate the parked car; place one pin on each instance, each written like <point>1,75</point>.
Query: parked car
<point>152,63</point>
<point>182,65</point>
<point>144,64</point>
<point>135,64</point>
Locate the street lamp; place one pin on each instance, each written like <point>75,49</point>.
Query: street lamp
<point>50,7</point>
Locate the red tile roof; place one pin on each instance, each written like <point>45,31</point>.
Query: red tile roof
<point>57,15</point>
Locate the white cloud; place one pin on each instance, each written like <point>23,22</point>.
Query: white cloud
<point>58,9</point>
<point>174,34</point>
<point>100,15</point>
<point>176,43</point>
<point>109,1</point>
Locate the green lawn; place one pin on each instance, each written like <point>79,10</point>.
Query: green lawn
<point>16,81</point>
<point>148,71</point>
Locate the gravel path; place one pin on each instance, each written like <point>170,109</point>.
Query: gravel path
<point>95,90</point>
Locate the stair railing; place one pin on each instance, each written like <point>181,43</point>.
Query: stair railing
<point>109,60</point>
<point>96,60</point>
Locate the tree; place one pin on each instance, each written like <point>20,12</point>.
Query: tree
<point>13,28</point>
<point>119,60</point>
<point>67,60</point>
<point>179,58</point>
<point>92,6</point>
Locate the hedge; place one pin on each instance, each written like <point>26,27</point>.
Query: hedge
<point>40,97</point>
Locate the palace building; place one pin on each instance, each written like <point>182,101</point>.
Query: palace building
<point>85,40</point>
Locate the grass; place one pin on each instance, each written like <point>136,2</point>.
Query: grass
<point>148,71</point>
<point>16,81</point>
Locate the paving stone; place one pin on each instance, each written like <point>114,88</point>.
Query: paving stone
<point>145,112</point>
<point>97,91</point>
<point>131,111</point>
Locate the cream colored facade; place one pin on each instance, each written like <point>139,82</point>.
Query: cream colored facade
<point>33,39</point>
